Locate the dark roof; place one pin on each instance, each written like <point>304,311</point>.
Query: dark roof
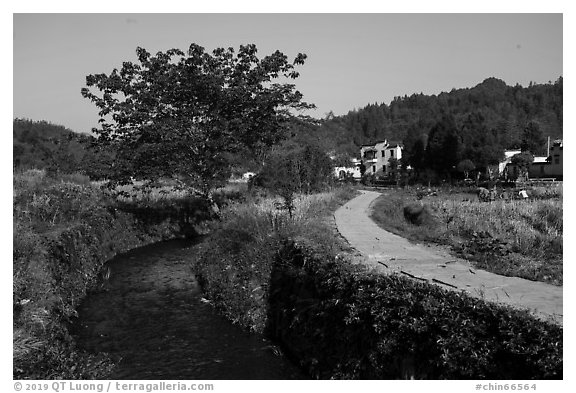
<point>391,144</point>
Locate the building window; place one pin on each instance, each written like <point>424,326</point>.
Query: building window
<point>391,153</point>
<point>383,153</point>
<point>373,168</point>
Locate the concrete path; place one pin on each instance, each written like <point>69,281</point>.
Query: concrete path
<point>386,252</point>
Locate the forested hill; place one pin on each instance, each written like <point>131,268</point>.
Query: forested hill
<point>504,110</point>
<point>40,144</point>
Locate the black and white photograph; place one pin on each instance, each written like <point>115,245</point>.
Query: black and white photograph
<point>202,197</point>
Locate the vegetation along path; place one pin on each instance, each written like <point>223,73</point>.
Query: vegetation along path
<point>389,253</point>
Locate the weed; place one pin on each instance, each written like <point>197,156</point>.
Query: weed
<point>516,238</point>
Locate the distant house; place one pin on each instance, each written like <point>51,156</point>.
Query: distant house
<point>376,157</point>
<point>539,167</point>
<point>543,167</point>
<point>556,159</point>
<point>342,172</point>
<point>508,154</point>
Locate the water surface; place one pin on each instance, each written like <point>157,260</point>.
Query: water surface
<point>151,315</point>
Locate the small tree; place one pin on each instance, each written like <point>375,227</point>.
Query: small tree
<point>394,169</point>
<point>465,166</point>
<point>533,139</point>
<point>302,169</point>
<point>522,161</point>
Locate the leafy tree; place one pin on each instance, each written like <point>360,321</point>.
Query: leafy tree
<point>480,145</point>
<point>465,166</point>
<point>444,147</point>
<point>394,169</point>
<point>177,114</point>
<point>290,170</point>
<point>533,139</point>
<point>522,161</point>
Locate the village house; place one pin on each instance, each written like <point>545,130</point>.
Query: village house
<point>550,166</point>
<point>353,170</point>
<point>508,154</point>
<point>376,157</point>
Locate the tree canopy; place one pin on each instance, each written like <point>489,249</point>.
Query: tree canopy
<point>504,111</point>
<point>181,114</point>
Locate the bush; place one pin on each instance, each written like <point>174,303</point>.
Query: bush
<point>419,214</point>
<point>296,170</point>
<point>342,322</point>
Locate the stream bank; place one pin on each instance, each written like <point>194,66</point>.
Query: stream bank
<point>151,318</point>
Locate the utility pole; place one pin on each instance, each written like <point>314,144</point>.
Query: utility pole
<point>548,150</point>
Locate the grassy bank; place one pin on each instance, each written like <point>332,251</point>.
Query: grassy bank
<point>521,238</point>
<point>235,262</point>
<point>64,231</point>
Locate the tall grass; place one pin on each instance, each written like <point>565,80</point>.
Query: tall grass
<point>64,230</point>
<point>516,238</point>
<point>234,264</point>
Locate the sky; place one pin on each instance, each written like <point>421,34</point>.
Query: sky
<point>353,59</point>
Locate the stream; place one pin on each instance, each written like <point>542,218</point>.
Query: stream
<point>150,315</point>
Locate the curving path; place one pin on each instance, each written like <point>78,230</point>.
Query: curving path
<point>386,253</point>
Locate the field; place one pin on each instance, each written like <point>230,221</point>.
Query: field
<point>521,238</point>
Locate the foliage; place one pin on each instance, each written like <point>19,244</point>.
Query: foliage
<point>480,144</point>
<point>444,146</point>
<point>43,145</point>
<point>342,322</point>
<point>292,279</point>
<point>465,166</point>
<point>504,111</point>
<point>177,113</point>
<point>296,169</point>
<point>533,139</point>
<point>235,262</point>
<point>523,161</point>
<point>64,231</point>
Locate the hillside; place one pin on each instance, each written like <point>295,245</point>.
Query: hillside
<point>504,110</point>
<point>40,144</point>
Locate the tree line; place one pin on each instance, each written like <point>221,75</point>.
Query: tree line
<point>203,116</point>
<point>456,130</point>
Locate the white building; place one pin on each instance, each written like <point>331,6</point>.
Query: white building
<point>376,157</point>
<point>353,170</point>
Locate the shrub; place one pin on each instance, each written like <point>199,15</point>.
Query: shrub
<point>419,214</point>
<point>343,322</point>
<point>296,170</point>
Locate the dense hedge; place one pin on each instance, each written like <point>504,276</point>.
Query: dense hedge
<point>63,234</point>
<point>340,321</point>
